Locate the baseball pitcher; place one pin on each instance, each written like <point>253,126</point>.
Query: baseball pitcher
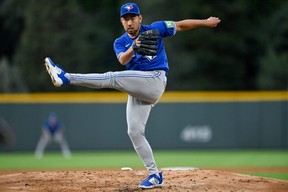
<point>141,50</point>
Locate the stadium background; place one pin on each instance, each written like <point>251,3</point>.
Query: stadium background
<point>181,120</point>
<point>232,82</point>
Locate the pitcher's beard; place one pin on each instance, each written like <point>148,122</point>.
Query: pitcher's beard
<point>132,32</point>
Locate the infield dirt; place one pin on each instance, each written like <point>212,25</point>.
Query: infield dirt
<point>116,180</point>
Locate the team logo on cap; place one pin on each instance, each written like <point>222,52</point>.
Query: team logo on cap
<point>128,7</point>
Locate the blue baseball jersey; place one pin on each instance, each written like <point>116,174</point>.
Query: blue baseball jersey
<point>53,128</point>
<point>142,62</point>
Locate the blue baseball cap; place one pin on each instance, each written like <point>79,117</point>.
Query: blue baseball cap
<point>129,8</point>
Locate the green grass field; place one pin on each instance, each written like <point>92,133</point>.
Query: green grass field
<point>116,159</point>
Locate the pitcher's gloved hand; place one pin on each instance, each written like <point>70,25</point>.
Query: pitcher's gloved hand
<point>148,43</point>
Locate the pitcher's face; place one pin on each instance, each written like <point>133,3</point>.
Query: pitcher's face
<point>131,24</point>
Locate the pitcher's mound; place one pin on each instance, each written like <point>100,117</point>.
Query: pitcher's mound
<point>119,180</point>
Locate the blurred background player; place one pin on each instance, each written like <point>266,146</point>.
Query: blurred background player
<point>52,130</point>
<point>7,138</point>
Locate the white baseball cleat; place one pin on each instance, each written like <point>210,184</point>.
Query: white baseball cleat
<point>56,73</point>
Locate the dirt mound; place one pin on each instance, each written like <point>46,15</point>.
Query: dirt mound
<point>117,180</point>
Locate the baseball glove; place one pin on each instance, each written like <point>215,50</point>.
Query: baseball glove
<point>149,43</point>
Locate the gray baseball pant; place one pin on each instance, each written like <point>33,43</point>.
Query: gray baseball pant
<point>145,89</point>
<point>46,138</point>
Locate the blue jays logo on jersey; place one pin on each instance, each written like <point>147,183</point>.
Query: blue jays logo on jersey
<point>128,7</point>
<point>150,58</point>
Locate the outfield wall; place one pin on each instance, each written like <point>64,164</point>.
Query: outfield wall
<point>181,120</point>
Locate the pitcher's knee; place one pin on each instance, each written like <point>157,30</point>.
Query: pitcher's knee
<point>135,134</point>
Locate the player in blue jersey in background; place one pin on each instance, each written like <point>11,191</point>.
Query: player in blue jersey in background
<point>52,130</point>
<point>144,80</point>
